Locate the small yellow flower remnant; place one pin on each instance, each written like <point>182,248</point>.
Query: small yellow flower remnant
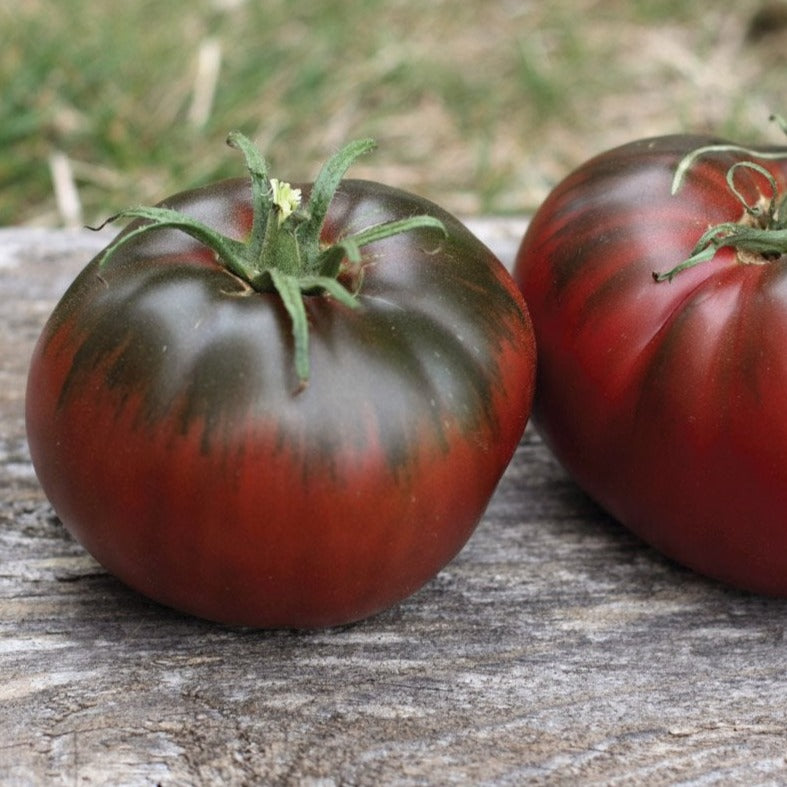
<point>285,198</point>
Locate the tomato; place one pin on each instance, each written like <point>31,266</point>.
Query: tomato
<point>665,398</point>
<point>220,460</point>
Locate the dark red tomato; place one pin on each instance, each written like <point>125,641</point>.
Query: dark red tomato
<point>666,399</point>
<point>169,430</point>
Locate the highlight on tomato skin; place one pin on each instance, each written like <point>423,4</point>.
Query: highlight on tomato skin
<point>265,445</point>
<point>655,278</point>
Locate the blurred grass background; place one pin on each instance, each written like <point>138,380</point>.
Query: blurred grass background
<point>480,105</point>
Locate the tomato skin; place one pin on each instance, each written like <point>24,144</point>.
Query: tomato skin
<point>664,400</point>
<point>166,427</point>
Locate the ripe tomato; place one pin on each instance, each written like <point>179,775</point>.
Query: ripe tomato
<point>664,399</point>
<point>172,427</point>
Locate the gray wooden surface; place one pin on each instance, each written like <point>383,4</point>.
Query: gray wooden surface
<point>555,649</point>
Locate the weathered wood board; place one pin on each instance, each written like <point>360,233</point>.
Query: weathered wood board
<point>555,649</point>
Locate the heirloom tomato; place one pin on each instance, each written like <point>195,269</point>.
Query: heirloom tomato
<point>656,280</point>
<point>284,407</point>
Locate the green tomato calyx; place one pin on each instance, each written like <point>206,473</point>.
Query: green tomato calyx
<point>283,252</point>
<point>760,235</point>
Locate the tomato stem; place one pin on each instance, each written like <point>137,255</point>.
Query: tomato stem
<point>760,236</point>
<point>283,253</point>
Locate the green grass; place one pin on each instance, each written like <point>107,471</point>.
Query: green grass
<point>478,105</point>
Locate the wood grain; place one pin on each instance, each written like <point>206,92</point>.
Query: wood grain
<point>555,649</point>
